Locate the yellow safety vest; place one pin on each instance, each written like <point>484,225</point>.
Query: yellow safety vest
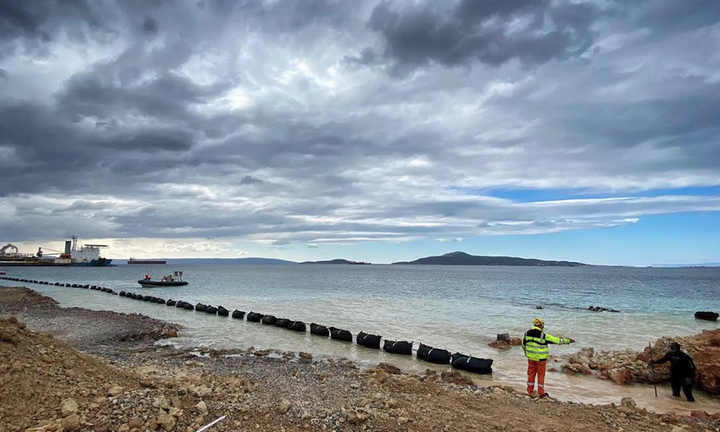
<point>535,343</point>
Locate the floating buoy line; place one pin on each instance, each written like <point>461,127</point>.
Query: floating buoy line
<point>424,352</point>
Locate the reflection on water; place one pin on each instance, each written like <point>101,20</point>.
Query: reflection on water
<point>457,308</point>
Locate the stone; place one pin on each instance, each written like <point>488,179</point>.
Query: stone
<point>628,402</point>
<point>68,406</point>
<point>161,402</point>
<point>621,376</point>
<point>166,421</point>
<point>9,334</point>
<point>71,423</point>
<point>202,408</point>
<point>284,406</point>
<point>505,344</point>
<point>114,390</point>
<point>136,423</point>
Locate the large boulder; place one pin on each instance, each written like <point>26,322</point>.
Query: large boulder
<point>708,316</point>
<point>504,341</point>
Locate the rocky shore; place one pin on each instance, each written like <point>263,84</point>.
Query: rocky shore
<point>628,367</point>
<point>47,384</point>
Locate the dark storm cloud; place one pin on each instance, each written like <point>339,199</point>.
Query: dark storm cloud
<point>150,25</point>
<point>488,31</point>
<point>33,25</point>
<point>241,119</point>
<point>249,180</point>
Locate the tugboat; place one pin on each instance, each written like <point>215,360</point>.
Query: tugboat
<point>171,280</point>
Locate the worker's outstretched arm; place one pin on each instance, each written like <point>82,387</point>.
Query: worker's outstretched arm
<point>557,340</point>
<point>665,358</point>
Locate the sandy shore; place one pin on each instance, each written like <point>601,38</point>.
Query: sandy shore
<point>126,382</point>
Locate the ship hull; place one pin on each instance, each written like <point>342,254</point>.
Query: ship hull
<point>147,262</point>
<point>150,283</point>
<point>101,262</point>
<point>35,263</point>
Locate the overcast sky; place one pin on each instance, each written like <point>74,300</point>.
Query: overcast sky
<point>379,131</point>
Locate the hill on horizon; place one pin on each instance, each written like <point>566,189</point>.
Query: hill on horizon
<point>462,258</point>
<point>229,261</point>
<point>337,261</point>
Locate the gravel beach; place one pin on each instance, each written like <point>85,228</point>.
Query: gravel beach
<point>75,369</point>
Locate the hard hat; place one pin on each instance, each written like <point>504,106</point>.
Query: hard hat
<point>539,322</point>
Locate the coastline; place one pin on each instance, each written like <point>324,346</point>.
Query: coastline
<point>173,389</point>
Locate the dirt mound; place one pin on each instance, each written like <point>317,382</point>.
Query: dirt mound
<point>38,372</point>
<point>626,367</point>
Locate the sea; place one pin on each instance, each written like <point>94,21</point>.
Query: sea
<point>458,308</point>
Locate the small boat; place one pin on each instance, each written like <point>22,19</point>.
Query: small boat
<point>174,279</point>
<point>152,283</point>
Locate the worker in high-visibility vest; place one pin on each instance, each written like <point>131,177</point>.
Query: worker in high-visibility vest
<point>535,345</point>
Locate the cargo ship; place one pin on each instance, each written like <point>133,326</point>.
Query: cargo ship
<point>141,261</point>
<point>10,256</point>
<point>85,255</point>
<point>74,255</point>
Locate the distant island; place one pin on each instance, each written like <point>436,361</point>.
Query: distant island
<point>462,258</point>
<point>230,261</point>
<point>337,261</point>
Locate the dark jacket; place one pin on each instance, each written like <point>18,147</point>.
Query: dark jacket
<point>681,365</point>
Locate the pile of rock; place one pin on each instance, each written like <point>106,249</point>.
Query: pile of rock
<point>626,367</point>
<point>601,309</point>
<point>504,341</point>
<point>622,367</point>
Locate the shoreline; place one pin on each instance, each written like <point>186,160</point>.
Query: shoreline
<point>285,390</point>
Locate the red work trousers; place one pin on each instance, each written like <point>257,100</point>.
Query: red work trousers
<point>536,368</point>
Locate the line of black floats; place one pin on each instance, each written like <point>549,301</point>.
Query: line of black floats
<point>61,284</point>
<point>424,352</point>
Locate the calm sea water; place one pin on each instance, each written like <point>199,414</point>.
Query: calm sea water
<point>454,307</point>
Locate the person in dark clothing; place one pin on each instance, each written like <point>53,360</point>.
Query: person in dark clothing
<point>682,371</point>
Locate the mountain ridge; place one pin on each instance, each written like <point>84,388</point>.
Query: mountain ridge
<point>462,258</point>
<point>337,261</point>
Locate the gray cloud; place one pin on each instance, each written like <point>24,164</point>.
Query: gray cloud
<point>493,32</point>
<point>260,122</point>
